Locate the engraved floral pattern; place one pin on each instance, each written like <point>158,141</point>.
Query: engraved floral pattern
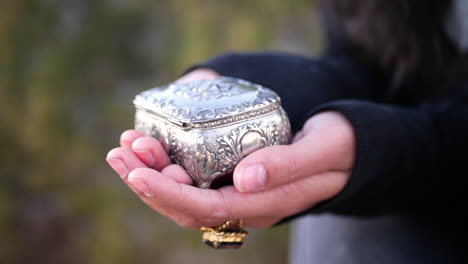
<point>230,146</point>
<point>163,99</point>
<point>225,130</point>
<point>202,165</point>
<point>203,91</point>
<point>285,131</point>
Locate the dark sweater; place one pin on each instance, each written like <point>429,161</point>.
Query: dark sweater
<point>411,160</point>
<point>409,178</point>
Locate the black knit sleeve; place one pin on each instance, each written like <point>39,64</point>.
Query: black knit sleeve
<point>302,83</point>
<point>409,160</point>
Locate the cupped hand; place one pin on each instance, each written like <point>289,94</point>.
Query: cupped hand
<point>269,184</point>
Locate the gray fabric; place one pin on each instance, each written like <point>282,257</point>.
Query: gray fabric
<point>457,24</point>
<point>329,239</point>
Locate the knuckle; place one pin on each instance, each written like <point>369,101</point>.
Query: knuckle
<point>221,214</point>
<point>218,211</point>
<point>222,210</point>
<point>292,169</point>
<point>218,214</point>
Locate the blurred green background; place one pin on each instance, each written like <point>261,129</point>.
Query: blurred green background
<point>68,73</point>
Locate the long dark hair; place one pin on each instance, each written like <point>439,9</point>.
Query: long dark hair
<point>404,38</point>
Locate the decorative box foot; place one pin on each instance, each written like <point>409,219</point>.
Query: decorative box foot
<point>228,235</point>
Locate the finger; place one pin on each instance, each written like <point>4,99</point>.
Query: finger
<point>277,165</point>
<point>127,137</point>
<point>177,173</point>
<point>151,152</point>
<point>285,200</point>
<point>303,194</point>
<point>146,195</point>
<point>256,210</point>
<point>210,207</point>
<point>316,152</point>
<point>123,160</point>
<point>201,205</point>
<point>182,216</point>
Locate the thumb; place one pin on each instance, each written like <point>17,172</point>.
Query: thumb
<point>277,165</point>
<point>324,146</point>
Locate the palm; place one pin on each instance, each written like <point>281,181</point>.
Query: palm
<point>269,184</point>
<point>298,176</point>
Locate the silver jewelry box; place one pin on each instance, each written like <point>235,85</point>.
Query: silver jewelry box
<point>209,126</point>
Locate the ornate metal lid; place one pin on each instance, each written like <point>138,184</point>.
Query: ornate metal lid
<point>208,103</point>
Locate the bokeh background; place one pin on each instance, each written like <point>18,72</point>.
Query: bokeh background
<point>69,70</point>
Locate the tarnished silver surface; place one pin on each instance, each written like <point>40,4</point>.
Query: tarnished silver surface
<point>209,126</point>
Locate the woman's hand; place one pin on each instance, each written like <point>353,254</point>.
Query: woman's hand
<point>269,184</point>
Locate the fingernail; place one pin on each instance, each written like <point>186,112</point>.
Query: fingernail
<point>251,178</point>
<point>141,186</point>
<point>145,156</point>
<point>118,165</point>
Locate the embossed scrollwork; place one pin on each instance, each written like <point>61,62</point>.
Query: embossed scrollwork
<point>245,140</point>
<point>285,131</point>
<point>204,91</point>
<point>208,127</point>
<point>201,164</point>
<point>167,99</point>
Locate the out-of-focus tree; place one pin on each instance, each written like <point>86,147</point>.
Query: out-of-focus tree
<point>68,72</point>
